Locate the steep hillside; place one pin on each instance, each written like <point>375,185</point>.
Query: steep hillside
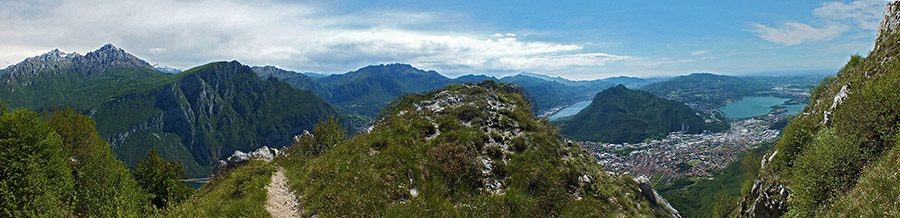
<point>465,150</point>
<point>195,116</point>
<point>619,115</point>
<point>207,114</point>
<point>838,158</point>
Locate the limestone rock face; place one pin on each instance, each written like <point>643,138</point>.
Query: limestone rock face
<point>890,23</point>
<point>766,199</point>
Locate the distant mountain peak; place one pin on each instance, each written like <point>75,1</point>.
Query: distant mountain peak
<point>167,69</point>
<point>110,56</point>
<point>54,55</point>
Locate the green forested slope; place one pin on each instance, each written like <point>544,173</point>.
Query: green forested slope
<point>620,115</point>
<point>195,117</point>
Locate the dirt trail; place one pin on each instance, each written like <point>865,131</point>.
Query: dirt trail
<point>280,201</point>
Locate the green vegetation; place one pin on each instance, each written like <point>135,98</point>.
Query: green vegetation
<point>447,163</point>
<point>161,178</point>
<point>620,115</point>
<point>239,192</point>
<point>837,156</point>
<point>325,136</point>
<point>193,117</point>
<point>719,195</point>
<point>34,177</point>
<point>58,166</point>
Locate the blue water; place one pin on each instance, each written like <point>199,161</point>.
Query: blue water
<point>570,110</point>
<point>751,107</point>
<point>793,109</point>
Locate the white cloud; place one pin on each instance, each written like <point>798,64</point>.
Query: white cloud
<point>835,18</point>
<point>866,14</point>
<point>699,52</point>
<point>793,33</point>
<point>190,33</point>
<point>157,51</point>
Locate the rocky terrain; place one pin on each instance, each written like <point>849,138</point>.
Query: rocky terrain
<point>836,157</point>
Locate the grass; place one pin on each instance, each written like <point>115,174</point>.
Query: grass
<point>240,192</point>
<point>377,173</point>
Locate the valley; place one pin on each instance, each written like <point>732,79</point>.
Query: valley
<point>685,155</point>
<point>450,109</point>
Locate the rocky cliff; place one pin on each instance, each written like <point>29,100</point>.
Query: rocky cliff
<point>839,156</point>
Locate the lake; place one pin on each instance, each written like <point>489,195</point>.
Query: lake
<point>793,109</point>
<point>751,107</point>
<point>570,110</point>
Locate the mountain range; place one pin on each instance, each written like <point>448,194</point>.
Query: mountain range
<point>370,88</point>
<point>195,117</point>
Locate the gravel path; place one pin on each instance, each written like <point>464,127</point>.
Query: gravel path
<point>280,201</point>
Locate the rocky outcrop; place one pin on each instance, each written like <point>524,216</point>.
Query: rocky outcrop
<point>890,22</point>
<point>654,198</point>
<point>766,199</point>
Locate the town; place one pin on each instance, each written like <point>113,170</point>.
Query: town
<point>682,154</point>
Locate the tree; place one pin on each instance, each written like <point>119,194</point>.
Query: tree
<point>34,178</point>
<point>160,179</point>
<point>103,186</point>
<point>326,135</point>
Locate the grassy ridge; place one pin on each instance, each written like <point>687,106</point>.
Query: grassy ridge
<point>398,169</point>
<point>241,192</point>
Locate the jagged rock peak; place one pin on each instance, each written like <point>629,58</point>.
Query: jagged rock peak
<point>111,56</point>
<point>890,23</point>
<point>54,55</point>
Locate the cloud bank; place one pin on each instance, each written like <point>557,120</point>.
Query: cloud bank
<point>296,36</point>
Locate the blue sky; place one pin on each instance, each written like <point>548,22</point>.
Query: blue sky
<point>572,39</point>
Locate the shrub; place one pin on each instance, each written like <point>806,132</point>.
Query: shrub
<point>325,136</point>
<point>830,165</point>
<point>160,178</point>
<point>455,163</point>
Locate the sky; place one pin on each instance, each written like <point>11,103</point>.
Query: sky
<point>579,40</point>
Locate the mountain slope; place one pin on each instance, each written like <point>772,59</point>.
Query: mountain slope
<point>297,80</point>
<point>211,111</point>
<point>619,115</point>
<point>838,158</point>
<point>465,150</point>
<point>58,78</point>
<point>195,116</point>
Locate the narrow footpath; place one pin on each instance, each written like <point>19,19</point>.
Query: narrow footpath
<point>280,201</point>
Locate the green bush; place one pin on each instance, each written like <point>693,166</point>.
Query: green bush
<point>161,178</point>
<point>34,178</point>
<point>103,185</point>
<point>326,134</point>
<point>830,166</point>
<point>456,163</point>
